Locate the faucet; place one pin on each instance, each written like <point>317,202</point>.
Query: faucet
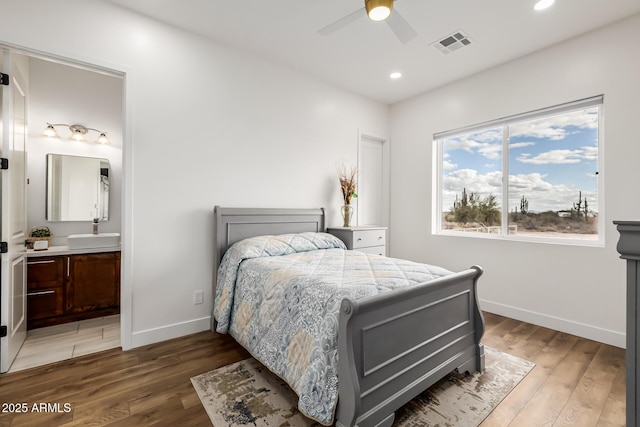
<point>95,225</point>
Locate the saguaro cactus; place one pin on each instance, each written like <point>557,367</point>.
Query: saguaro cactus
<point>578,207</point>
<point>524,205</point>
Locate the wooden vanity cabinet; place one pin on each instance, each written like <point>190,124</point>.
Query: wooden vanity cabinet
<point>93,282</point>
<point>67,288</point>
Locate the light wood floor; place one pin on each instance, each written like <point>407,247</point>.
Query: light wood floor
<point>576,382</point>
<point>60,342</point>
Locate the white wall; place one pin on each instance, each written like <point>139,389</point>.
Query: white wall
<point>205,125</point>
<point>63,94</point>
<point>580,290</point>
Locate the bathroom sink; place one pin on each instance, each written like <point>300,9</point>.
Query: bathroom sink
<point>89,241</point>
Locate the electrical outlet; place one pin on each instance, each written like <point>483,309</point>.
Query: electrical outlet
<point>198,297</point>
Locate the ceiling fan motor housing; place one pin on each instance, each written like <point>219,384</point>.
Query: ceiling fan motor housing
<point>378,10</point>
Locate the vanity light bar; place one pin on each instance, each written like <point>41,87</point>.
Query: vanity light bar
<point>78,133</point>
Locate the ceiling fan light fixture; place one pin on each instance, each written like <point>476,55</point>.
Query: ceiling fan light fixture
<point>378,10</point>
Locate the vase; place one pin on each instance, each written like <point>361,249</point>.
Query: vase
<point>347,214</point>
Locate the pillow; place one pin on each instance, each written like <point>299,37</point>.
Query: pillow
<point>258,247</point>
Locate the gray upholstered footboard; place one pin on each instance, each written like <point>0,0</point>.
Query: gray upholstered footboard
<point>395,345</point>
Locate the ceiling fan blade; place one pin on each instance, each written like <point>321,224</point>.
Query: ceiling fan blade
<point>402,29</point>
<point>342,22</point>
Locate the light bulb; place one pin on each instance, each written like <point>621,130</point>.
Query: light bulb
<point>50,132</point>
<point>379,13</point>
<point>102,139</point>
<point>78,136</point>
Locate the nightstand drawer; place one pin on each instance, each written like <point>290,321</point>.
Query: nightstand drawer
<point>376,250</point>
<point>367,238</point>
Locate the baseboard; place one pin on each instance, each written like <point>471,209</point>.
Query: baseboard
<point>614,338</point>
<point>168,332</point>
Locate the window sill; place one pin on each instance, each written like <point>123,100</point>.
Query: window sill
<point>529,238</point>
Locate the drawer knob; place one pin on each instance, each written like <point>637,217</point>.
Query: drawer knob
<point>359,239</point>
<point>380,238</point>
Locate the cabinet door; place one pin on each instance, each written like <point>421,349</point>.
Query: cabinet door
<point>93,282</point>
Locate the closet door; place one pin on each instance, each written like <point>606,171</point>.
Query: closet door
<point>372,182</point>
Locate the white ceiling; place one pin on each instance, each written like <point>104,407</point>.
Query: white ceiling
<point>360,56</point>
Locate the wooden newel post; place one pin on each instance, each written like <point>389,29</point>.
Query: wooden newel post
<point>629,248</point>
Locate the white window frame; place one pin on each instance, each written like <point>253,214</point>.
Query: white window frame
<point>505,122</point>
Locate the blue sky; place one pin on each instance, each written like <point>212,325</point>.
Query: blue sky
<point>550,159</point>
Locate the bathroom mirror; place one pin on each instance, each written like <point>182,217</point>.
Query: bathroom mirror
<point>77,188</point>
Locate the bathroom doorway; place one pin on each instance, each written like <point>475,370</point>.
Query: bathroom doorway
<point>64,94</point>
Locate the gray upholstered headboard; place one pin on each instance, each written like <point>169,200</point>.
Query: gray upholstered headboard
<point>234,224</point>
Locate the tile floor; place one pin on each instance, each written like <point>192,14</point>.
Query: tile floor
<point>60,342</point>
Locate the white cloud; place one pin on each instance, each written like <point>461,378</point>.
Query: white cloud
<point>490,135</point>
<point>520,145</point>
<point>555,127</point>
<point>447,165</point>
<point>487,142</point>
<point>453,183</point>
<point>560,156</point>
<point>491,151</point>
<point>470,179</point>
<point>591,152</point>
<point>545,196</point>
<point>541,194</point>
<point>462,144</point>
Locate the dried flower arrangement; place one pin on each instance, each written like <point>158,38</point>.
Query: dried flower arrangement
<point>347,177</point>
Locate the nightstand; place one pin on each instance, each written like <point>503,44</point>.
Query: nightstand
<point>371,240</point>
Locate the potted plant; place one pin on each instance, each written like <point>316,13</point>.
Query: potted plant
<point>39,233</point>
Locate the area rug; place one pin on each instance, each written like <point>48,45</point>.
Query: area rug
<point>248,394</point>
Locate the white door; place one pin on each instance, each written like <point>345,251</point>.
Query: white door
<point>372,181</point>
<point>13,280</point>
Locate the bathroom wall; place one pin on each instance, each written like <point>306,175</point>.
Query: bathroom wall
<point>60,93</point>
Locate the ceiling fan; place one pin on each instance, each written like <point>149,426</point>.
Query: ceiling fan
<point>376,10</point>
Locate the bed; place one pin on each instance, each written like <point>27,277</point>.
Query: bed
<point>389,346</point>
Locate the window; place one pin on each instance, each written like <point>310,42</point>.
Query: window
<point>550,159</point>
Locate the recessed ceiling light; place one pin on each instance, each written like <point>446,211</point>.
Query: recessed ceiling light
<point>395,75</point>
<point>543,4</point>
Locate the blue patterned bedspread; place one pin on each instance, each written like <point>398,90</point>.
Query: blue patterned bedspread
<point>280,296</point>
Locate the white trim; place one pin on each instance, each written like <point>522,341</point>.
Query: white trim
<point>176,330</point>
<point>436,186</point>
<point>554,240</point>
<point>607,336</point>
<point>126,271</point>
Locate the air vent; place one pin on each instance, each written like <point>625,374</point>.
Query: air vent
<point>452,42</point>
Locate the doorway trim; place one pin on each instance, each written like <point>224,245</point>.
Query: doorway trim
<point>126,74</point>
<point>368,136</point>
